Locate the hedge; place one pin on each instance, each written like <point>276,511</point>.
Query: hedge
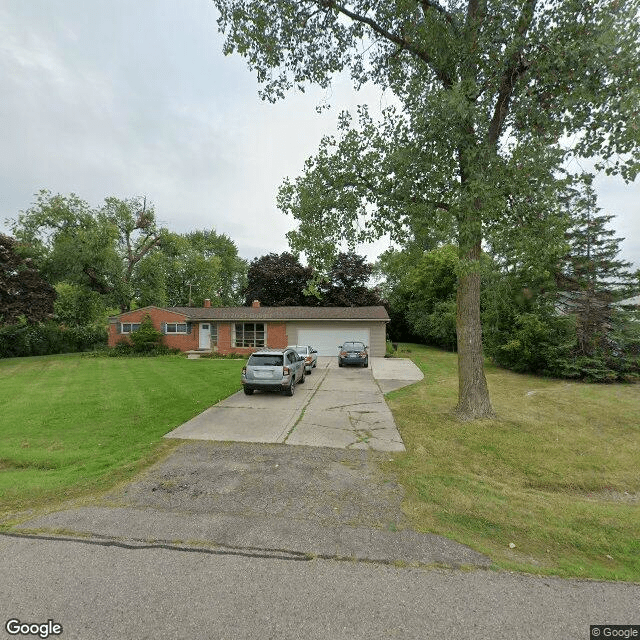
<point>20,340</point>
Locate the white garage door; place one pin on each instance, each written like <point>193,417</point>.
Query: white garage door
<point>326,341</point>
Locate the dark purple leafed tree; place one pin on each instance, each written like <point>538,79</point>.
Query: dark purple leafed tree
<point>22,291</point>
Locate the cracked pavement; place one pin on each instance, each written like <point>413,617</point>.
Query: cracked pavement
<point>313,502</point>
<point>335,407</point>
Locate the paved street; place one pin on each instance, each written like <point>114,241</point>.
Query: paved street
<point>98,591</point>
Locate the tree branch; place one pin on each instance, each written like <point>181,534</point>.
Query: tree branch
<point>142,252</point>
<point>97,282</point>
<point>428,5</point>
<point>515,68</point>
<point>391,37</point>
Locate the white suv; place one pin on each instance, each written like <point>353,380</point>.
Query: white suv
<point>273,370</point>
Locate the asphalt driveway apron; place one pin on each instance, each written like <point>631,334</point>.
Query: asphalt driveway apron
<point>335,407</point>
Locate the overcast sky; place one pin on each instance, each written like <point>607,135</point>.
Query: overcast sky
<point>122,98</point>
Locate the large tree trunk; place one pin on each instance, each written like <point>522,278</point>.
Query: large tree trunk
<point>473,394</point>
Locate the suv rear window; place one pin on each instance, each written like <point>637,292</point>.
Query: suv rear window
<point>265,360</point>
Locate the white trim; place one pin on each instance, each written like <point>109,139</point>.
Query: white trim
<point>176,332</point>
<point>131,326</point>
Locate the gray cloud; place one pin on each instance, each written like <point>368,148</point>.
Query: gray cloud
<point>135,98</point>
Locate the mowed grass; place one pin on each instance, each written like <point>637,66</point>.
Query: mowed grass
<point>72,425</point>
<point>557,474</point>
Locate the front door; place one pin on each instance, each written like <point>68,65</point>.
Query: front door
<point>205,336</point>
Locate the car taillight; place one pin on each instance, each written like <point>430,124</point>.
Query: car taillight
<point>244,370</point>
<point>308,359</point>
<point>343,353</point>
<point>363,354</point>
<point>286,371</point>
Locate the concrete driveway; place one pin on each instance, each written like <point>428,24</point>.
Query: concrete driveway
<point>335,407</point>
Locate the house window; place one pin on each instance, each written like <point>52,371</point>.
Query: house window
<point>214,334</point>
<point>129,327</point>
<point>249,334</point>
<point>176,327</point>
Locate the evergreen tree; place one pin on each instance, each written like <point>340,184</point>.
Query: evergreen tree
<point>593,276</point>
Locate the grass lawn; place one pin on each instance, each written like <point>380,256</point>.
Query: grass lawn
<point>557,474</point>
<point>73,425</point>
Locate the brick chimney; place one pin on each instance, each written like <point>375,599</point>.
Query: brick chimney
<point>255,304</point>
<point>207,303</point>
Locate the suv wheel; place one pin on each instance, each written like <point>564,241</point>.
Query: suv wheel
<point>292,387</point>
<point>302,377</point>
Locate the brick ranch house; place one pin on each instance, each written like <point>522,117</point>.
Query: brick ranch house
<point>245,329</point>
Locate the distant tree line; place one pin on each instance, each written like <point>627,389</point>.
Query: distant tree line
<point>548,299</point>
<point>69,266</point>
<point>117,257</point>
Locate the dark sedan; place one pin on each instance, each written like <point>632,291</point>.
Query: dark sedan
<point>353,353</point>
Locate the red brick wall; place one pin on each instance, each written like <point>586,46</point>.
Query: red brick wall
<point>277,335</point>
<point>158,316</point>
<point>276,332</point>
<point>276,338</point>
<point>224,337</point>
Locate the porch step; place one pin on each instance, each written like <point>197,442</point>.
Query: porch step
<point>194,354</point>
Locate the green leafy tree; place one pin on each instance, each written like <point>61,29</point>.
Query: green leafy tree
<point>65,239</point>
<point>392,267</point>
<point>196,266</point>
<point>119,252</point>
<point>78,305</point>
<point>100,249</point>
<point>233,269</point>
<point>519,292</point>
<point>23,292</point>
<point>430,295</point>
<point>485,93</point>
<point>138,235</point>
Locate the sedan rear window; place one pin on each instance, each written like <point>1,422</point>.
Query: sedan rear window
<point>265,360</point>
<point>353,346</point>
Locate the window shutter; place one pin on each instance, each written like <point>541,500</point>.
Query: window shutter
<point>189,327</point>
<point>164,327</point>
<point>118,327</point>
